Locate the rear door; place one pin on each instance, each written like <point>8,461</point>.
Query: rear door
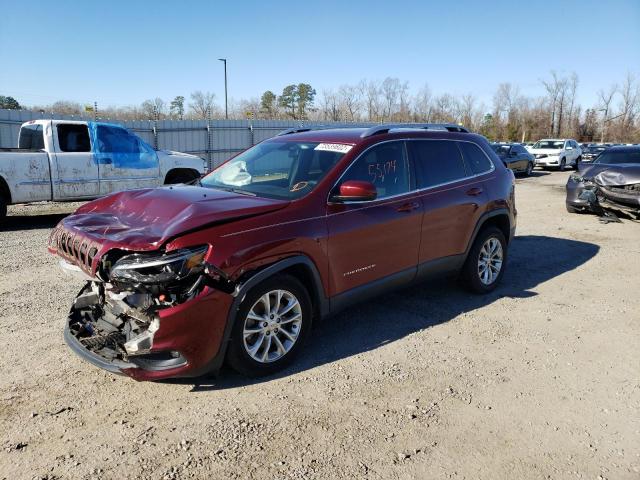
<point>452,191</point>
<point>126,162</point>
<point>76,172</point>
<point>379,239</point>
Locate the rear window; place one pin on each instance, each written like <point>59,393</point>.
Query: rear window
<point>73,138</point>
<point>31,137</point>
<point>437,162</point>
<point>475,158</point>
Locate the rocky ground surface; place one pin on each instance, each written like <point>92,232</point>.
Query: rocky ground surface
<point>537,380</point>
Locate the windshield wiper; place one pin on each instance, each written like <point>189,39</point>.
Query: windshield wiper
<point>231,189</point>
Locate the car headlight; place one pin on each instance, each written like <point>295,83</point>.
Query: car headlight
<point>159,268</point>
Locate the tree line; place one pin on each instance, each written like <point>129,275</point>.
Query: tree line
<point>511,115</point>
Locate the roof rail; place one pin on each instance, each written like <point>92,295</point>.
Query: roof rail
<point>294,130</point>
<point>385,128</point>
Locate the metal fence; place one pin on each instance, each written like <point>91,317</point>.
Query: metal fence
<point>214,140</point>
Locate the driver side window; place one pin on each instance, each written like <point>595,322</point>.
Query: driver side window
<point>385,166</point>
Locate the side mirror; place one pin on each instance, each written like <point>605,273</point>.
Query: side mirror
<point>355,191</point>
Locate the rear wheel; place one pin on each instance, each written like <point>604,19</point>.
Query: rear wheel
<point>563,164</point>
<point>529,169</point>
<point>484,266</point>
<point>575,165</point>
<point>270,327</point>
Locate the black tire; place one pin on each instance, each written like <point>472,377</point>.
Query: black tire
<point>3,210</point>
<point>563,165</point>
<point>527,172</point>
<point>572,209</point>
<point>575,165</point>
<point>237,356</point>
<point>470,275</point>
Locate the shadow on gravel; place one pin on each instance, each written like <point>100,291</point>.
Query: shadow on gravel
<point>30,222</point>
<point>532,260</point>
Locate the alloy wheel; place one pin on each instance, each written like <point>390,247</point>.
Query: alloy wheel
<point>490,261</point>
<point>272,326</point>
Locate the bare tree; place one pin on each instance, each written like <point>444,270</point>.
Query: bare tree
<point>370,91</point>
<point>202,103</point>
<point>422,104</point>
<point>154,107</point>
<point>629,105</point>
<point>605,98</point>
<point>349,97</point>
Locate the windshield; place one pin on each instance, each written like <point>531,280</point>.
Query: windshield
<point>501,150</point>
<point>613,157</point>
<point>552,144</point>
<point>277,169</point>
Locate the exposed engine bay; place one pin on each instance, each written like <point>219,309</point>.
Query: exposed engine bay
<point>115,316</point>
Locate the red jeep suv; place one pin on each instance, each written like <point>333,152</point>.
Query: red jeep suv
<point>183,278</point>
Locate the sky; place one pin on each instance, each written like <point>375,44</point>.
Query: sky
<point>123,52</point>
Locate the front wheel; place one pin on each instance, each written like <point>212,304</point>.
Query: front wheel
<point>270,326</point>
<point>484,266</point>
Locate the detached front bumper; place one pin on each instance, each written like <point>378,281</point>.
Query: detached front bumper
<point>189,340</point>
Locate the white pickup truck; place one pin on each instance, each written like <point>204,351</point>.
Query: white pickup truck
<point>64,160</point>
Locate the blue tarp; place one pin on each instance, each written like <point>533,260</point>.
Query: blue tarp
<point>114,145</point>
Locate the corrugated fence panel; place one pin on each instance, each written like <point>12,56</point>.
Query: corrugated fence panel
<point>224,139</point>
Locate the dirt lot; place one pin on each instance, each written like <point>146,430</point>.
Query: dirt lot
<point>538,380</point>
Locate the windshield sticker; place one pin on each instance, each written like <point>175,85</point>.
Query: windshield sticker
<point>334,147</point>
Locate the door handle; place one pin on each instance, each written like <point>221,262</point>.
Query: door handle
<point>408,207</point>
<point>473,192</point>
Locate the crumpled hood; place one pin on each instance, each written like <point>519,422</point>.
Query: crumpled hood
<point>145,219</point>
<point>611,175</point>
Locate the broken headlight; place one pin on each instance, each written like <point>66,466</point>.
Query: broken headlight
<point>159,268</point>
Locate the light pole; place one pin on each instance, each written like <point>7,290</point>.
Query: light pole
<point>226,108</point>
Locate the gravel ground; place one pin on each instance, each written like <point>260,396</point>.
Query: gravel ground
<point>538,380</point>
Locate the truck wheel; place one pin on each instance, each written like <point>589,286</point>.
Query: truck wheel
<point>485,264</point>
<point>575,165</point>
<point>270,327</point>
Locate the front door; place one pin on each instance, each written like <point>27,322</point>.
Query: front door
<point>126,162</point>
<point>379,239</point>
<point>76,171</point>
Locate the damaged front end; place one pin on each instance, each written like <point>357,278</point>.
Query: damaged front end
<point>611,190</point>
<point>114,319</point>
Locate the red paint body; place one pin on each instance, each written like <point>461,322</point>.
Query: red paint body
<point>373,239</point>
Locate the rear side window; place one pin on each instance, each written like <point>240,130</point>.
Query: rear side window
<point>437,162</point>
<point>385,166</point>
<point>73,138</point>
<point>31,137</point>
<point>475,158</point>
